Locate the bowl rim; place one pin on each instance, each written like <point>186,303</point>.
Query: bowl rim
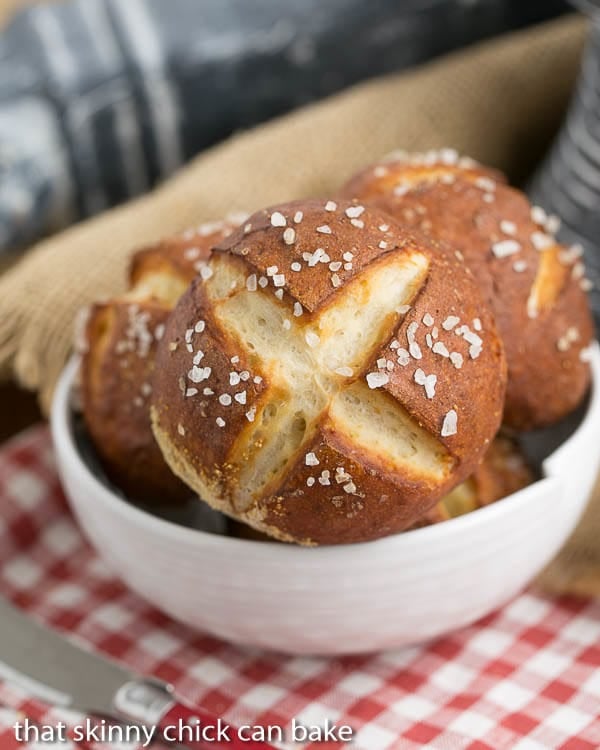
<point>64,444</point>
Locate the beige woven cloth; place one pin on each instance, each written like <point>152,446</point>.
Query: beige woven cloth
<point>500,102</point>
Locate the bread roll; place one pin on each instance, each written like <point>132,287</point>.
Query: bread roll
<point>330,377</point>
<point>503,471</point>
<point>535,286</point>
<point>118,360</point>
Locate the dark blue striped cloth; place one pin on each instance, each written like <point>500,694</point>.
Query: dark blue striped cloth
<point>99,99</point>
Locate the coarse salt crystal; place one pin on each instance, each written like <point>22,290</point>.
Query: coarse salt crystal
<point>552,224</point>
<point>538,215</point>
<point>198,374</point>
<point>377,379</point>
<point>413,346</point>
<point>485,183</point>
<point>311,459</point>
<point>289,236</point>
<point>449,425</point>
<point>353,212</point>
<point>427,381</point>
<point>441,349</point>
<point>403,357</point>
<point>278,219</point>
<point>330,206</point>
<point>508,227</point>
<point>457,359</point>
<point>450,322</point>
<point>541,241</point>
<point>420,376</point>
<point>504,248</point>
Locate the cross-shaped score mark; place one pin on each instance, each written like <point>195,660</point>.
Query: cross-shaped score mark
<point>315,368</point>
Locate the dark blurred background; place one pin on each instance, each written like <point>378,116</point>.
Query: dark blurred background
<point>100,99</point>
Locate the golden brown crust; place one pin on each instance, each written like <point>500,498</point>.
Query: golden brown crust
<point>118,362</point>
<point>533,284</point>
<point>116,377</point>
<point>251,366</point>
<point>503,471</point>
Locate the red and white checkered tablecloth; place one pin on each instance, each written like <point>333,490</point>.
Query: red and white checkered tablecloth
<point>526,677</point>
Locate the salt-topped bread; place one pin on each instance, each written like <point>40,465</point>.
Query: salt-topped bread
<point>536,287</point>
<point>329,377</point>
<point>118,360</point>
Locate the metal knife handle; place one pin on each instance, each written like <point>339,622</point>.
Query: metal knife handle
<point>153,703</point>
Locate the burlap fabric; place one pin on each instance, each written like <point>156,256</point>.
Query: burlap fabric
<point>501,102</point>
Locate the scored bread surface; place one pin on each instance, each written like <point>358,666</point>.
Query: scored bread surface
<point>536,286</point>
<point>118,360</point>
<point>329,377</point>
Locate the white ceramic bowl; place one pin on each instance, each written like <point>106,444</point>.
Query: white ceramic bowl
<point>329,600</point>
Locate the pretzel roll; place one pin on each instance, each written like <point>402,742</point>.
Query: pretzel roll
<point>504,470</point>
<point>330,378</point>
<point>118,359</point>
<point>535,286</point>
